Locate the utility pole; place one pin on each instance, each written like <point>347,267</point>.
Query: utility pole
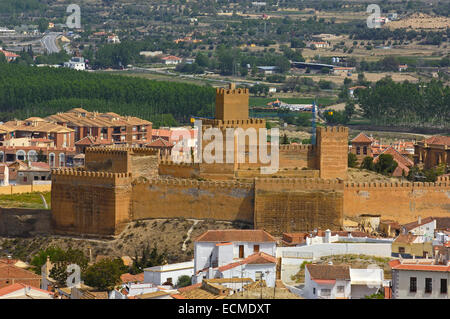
<point>313,123</point>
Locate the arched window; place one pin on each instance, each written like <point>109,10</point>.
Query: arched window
<point>62,160</point>
<point>51,159</point>
<point>20,155</point>
<point>32,156</point>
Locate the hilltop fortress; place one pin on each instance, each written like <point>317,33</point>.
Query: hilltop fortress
<point>310,189</point>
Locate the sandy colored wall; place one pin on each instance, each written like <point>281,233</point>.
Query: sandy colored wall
<point>300,156</point>
<point>192,199</point>
<point>19,189</point>
<point>402,202</point>
<point>90,202</point>
<point>290,205</point>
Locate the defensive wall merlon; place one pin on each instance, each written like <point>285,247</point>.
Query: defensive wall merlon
<point>122,151</point>
<point>171,163</point>
<point>298,148</point>
<point>222,92</point>
<point>231,123</point>
<point>82,174</point>
<point>332,129</point>
<point>380,185</point>
<point>193,183</point>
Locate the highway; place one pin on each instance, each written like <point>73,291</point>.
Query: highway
<point>49,42</point>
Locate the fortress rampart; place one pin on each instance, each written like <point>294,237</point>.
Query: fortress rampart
<point>402,202</point>
<point>309,190</point>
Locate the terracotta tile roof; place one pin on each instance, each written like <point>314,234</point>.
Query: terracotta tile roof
<point>83,118</point>
<point>255,259</point>
<point>329,272</point>
<point>362,138</point>
<point>414,224</point>
<point>404,163</point>
<point>132,278</point>
<point>37,126</point>
<point>405,265</point>
<point>442,222</point>
<point>239,235</point>
<point>14,287</point>
<point>11,271</point>
<point>405,239</point>
<point>438,140</point>
<point>177,296</point>
<point>188,288</point>
<point>151,295</point>
<point>159,143</point>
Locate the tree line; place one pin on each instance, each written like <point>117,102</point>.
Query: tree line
<point>406,104</point>
<point>40,91</point>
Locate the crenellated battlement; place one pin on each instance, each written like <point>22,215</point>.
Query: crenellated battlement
<point>299,148</point>
<point>333,129</point>
<point>167,162</point>
<point>108,151</point>
<point>221,124</point>
<point>396,185</point>
<point>299,181</point>
<point>193,183</point>
<point>223,92</point>
<point>79,173</point>
<point>143,151</point>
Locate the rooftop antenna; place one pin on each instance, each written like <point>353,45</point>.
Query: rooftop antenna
<point>313,133</point>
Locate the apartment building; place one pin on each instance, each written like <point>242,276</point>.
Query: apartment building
<point>422,278</point>
<point>106,127</point>
<point>35,137</point>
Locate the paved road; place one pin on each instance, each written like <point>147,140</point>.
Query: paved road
<point>49,43</point>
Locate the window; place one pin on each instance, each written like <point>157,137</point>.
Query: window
<point>412,284</point>
<point>169,280</point>
<point>25,179</point>
<point>241,251</point>
<point>401,250</point>
<point>325,292</point>
<point>340,289</point>
<point>358,150</point>
<point>443,286</point>
<point>365,150</point>
<point>314,291</point>
<point>256,248</point>
<point>428,285</point>
<point>258,275</point>
<point>36,178</point>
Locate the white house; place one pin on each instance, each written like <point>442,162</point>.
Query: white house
<point>227,253</point>
<point>327,282</point>
<point>22,291</point>
<point>171,59</point>
<point>422,278</point>
<point>365,282</point>
<point>159,275</point>
<point>76,63</point>
<point>422,227</point>
<point>259,266</point>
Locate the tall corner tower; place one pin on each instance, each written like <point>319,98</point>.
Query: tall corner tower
<point>332,152</point>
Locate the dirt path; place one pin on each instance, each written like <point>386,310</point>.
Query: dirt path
<point>183,247</point>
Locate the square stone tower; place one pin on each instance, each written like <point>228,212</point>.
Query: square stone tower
<point>232,103</point>
<point>332,152</point>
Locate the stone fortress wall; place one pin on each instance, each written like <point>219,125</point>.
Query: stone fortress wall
<point>310,190</point>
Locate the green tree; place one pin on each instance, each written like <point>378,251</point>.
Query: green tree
<point>368,164</point>
<point>105,274</point>
<point>352,160</point>
<point>385,164</point>
<point>184,281</point>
